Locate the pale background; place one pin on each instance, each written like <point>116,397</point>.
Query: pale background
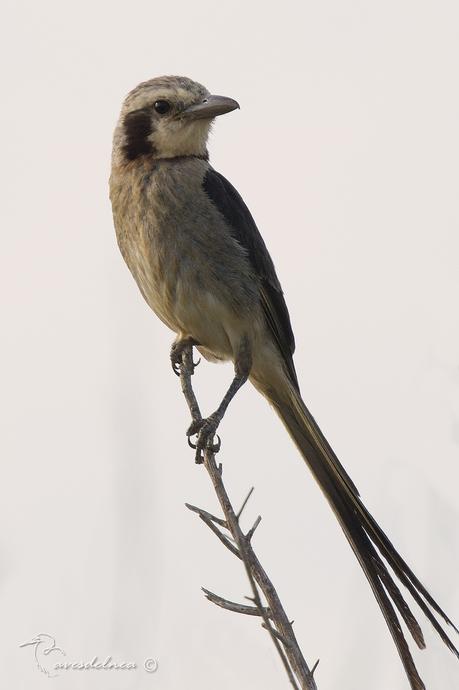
<point>346,149</point>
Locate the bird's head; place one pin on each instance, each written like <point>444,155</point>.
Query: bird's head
<point>167,117</point>
<point>39,639</point>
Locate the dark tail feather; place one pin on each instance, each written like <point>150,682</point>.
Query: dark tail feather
<point>363,533</point>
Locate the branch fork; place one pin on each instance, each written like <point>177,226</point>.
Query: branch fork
<point>228,531</point>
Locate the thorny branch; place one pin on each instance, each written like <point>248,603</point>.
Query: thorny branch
<point>274,618</point>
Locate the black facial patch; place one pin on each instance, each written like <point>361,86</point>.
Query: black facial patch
<point>137,129</point>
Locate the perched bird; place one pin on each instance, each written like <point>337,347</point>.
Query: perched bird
<point>201,264</point>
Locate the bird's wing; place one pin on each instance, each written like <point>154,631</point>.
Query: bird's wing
<point>242,226</point>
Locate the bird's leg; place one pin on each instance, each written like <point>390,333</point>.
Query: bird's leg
<point>177,349</point>
<point>206,428</point>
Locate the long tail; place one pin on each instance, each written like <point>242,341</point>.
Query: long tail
<point>370,544</point>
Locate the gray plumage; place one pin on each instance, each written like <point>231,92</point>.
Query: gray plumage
<point>201,264</point>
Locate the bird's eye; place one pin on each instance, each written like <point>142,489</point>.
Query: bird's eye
<point>162,107</point>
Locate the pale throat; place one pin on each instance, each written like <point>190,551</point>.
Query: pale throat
<point>185,139</point>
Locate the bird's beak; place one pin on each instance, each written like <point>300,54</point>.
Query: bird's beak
<point>210,107</point>
<point>26,644</point>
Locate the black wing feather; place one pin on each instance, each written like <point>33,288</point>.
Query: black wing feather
<point>243,228</point>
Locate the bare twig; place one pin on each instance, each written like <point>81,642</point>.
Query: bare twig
<point>201,512</point>
<point>251,531</point>
<point>245,502</point>
<point>221,536</point>
<point>273,615</point>
<point>233,606</point>
<point>285,642</point>
<point>315,666</point>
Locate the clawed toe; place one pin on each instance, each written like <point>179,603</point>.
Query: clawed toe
<point>176,356</point>
<point>216,446</point>
<point>206,431</point>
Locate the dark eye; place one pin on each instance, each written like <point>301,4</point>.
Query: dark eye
<point>162,107</point>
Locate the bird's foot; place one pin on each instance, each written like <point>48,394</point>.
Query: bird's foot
<point>176,356</point>
<point>206,431</point>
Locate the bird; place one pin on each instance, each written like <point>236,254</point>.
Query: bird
<point>44,644</point>
<point>201,264</point>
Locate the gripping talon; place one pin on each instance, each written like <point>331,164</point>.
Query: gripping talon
<point>215,447</point>
<point>176,360</point>
<point>205,429</point>
<point>195,427</point>
<point>176,353</point>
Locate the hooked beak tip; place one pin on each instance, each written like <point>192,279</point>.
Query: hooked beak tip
<point>211,107</point>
